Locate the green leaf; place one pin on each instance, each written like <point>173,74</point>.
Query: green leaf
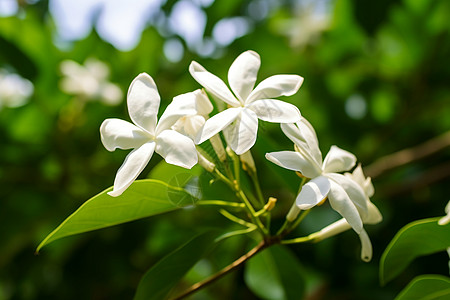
<point>142,199</point>
<point>275,274</point>
<point>426,287</point>
<point>416,239</point>
<point>165,274</point>
<point>168,172</point>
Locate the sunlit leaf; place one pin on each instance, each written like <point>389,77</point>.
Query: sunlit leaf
<point>275,274</point>
<point>426,287</point>
<point>142,199</point>
<point>164,275</point>
<point>415,239</point>
<point>167,172</point>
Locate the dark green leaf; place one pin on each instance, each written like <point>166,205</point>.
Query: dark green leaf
<point>142,199</point>
<point>426,287</point>
<point>164,275</point>
<point>415,239</point>
<point>275,274</point>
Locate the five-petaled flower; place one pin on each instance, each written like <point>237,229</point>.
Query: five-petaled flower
<point>146,136</point>
<point>344,194</point>
<point>373,216</point>
<point>248,104</point>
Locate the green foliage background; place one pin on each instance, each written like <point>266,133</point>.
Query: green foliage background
<point>393,54</point>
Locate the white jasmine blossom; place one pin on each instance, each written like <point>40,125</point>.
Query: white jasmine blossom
<point>14,89</point>
<point>373,216</point>
<point>145,135</point>
<point>344,194</point>
<point>248,104</point>
<point>89,81</point>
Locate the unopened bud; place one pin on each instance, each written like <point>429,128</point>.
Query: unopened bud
<point>293,213</point>
<point>217,145</point>
<point>332,230</point>
<point>248,164</point>
<point>270,204</point>
<point>204,162</point>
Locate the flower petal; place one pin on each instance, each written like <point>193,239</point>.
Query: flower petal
<point>177,149</point>
<point>275,86</point>
<point>374,216</point>
<point>333,229</point>
<point>133,165</point>
<point>216,124</point>
<point>212,84</point>
<point>143,102</point>
<point>181,105</point>
<point>242,74</point>
<point>338,160</point>
<point>241,135</point>
<point>340,202</point>
<point>303,135</point>
<point>366,183</point>
<point>116,133</point>
<point>275,111</point>
<point>366,246</point>
<point>354,192</point>
<point>189,125</point>
<point>313,192</point>
<point>202,103</point>
<point>294,161</point>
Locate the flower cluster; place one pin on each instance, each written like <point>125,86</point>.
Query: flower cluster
<point>186,123</point>
<point>347,193</point>
<point>89,81</point>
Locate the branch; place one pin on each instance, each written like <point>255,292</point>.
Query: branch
<point>237,263</point>
<point>408,155</point>
<point>425,179</point>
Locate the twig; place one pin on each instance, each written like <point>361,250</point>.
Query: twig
<point>241,260</point>
<point>408,155</point>
<point>425,179</point>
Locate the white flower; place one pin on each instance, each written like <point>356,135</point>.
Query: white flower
<point>345,195</point>
<point>14,90</point>
<point>248,104</point>
<point>199,104</point>
<point>146,136</point>
<point>373,216</point>
<point>89,81</point>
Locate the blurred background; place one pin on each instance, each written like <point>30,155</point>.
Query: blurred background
<point>377,81</point>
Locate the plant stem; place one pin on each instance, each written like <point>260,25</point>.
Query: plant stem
<point>235,219</point>
<point>237,169</point>
<point>252,213</point>
<point>220,203</point>
<point>237,232</point>
<point>299,220</point>
<point>299,240</point>
<point>224,179</point>
<point>259,193</point>
<point>241,260</point>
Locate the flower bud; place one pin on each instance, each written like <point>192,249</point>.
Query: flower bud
<point>203,161</point>
<point>217,145</point>
<point>248,164</point>
<point>293,213</point>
